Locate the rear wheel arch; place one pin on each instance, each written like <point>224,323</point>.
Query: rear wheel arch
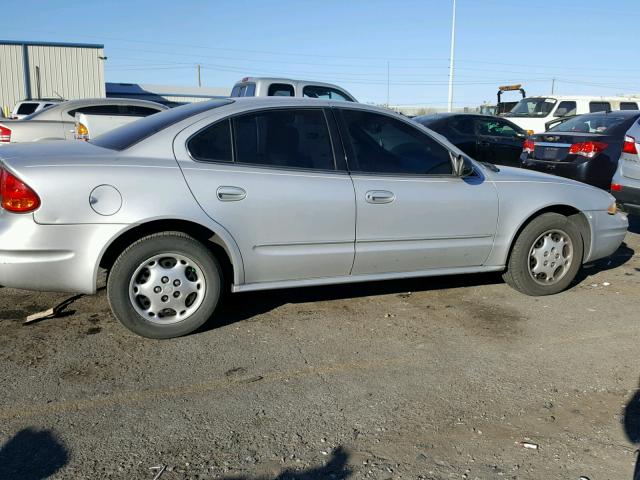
<point>222,247</point>
<point>577,217</point>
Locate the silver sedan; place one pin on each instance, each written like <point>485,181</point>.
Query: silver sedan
<point>252,194</point>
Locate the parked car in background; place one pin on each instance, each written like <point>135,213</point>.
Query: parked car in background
<point>58,121</point>
<point>28,107</point>
<point>278,193</point>
<point>532,113</point>
<point>585,148</point>
<point>483,137</point>
<point>90,126</point>
<point>625,185</point>
<point>285,87</point>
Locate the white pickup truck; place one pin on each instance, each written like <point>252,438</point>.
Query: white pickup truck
<point>58,122</point>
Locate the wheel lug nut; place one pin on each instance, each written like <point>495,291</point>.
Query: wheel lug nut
<point>176,283</point>
<point>546,263</point>
<point>165,279</point>
<point>176,294</point>
<point>157,289</point>
<point>164,298</point>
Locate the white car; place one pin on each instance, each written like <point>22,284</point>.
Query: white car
<point>28,107</point>
<point>625,185</point>
<point>534,113</point>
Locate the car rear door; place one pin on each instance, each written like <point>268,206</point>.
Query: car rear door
<point>413,214</point>
<point>276,188</point>
<point>498,141</point>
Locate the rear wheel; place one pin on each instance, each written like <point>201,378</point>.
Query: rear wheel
<point>546,256</point>
<point>164,285</point>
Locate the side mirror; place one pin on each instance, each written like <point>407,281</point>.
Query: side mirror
<point>461,168</point>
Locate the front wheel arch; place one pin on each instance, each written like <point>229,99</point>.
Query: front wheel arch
<point>577,217</point>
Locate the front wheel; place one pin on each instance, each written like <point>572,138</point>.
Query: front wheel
<point>546,256</point>
<point>164,285</point>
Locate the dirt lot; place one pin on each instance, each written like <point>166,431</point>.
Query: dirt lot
<point>433,379</point>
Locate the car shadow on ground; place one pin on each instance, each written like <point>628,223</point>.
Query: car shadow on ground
<point>631,424</point>
<point>32,455</point>
<point>336,468</point>
<point>243,306</point>
<point>617,259</point>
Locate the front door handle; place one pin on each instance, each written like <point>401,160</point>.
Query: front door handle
<point>379,196</point>
<point>231,194</point>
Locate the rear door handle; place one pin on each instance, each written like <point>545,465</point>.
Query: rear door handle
<point>379,196</point>
<point>230,194</point>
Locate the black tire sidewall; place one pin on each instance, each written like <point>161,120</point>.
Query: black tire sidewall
<point>519,259</point>
<point>124,267</point>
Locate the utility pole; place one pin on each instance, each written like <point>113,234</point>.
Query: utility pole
<point>387,83</point>
<point>553,86</point>
<point>453,46</point>
<point>198,74</point>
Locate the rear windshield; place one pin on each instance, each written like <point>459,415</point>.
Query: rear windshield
<point>124,137</point>
<point>244,90</point>
<point>533,107</point>
<point>599,124</point>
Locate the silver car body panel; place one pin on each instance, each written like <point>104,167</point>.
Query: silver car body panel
<point>292,228</point>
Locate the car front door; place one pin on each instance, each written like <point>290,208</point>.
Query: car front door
<point>413,214</point>
<point>498,141</point>
<point>276,188</point>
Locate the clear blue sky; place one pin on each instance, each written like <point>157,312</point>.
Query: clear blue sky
<point>589,46</point>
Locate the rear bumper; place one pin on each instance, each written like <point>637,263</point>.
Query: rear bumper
<point>583,171</point>
<point>629,199</point>
<point>61,258</point>
<point>607,234</point>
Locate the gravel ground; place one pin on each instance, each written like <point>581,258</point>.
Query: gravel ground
<point>442,378</point>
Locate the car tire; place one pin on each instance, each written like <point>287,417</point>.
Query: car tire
<point>164,285</point>
<point>546,242</point>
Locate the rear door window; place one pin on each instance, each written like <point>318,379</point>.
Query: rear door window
<point>495,127</point>
<point>213,144</point>
<point>462,125</point>
<point>327,93</point>
<point>628,106</point>
<point>566,108</point>
<point>27,108</point>
<point>293,138</point>
<point>383,144</point>
<point>599,107</point>
<point>280,90</point>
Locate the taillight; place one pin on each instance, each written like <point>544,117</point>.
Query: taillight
<point>616,187</point>
<point>629,145</point>
<point>82,132</point>
<point>16,196</point>
<point>5,134</point>
<point>528,146</point>
<point>587,149</point>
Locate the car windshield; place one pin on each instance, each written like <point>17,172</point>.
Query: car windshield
<point>599,124</point>
<point>128,135</point>
<point>533,107</point>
